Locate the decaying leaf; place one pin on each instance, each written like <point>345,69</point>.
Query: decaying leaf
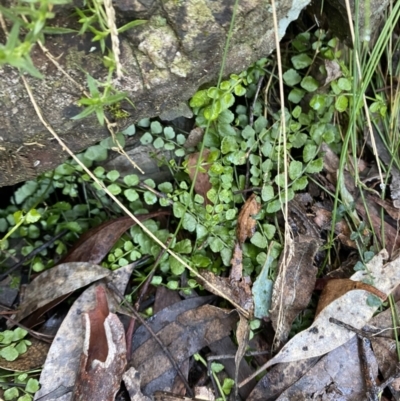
<point>279,378</point>
<point>239,293</point>
<point>323,218</point>
<point>194,138</point>
<point>351,308</point>
<point>66,349</point>
<point>131,379</point>
<point>56,282</point>
<point>226,346</point>
<point>335,288</point>
<point>292,292</point>
<point>246,225</point>
<point>236,263</point>
<point>202,184</point>
<point>242,337</point>
<point>103,358</point>
<point>384,345</point>
<point>95,244</point>
<point>337,376</point>
<point>392,238</point>
<point>185,335</point>
<point>333,71</point>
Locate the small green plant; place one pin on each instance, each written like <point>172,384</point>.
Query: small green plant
<point>29,20</point>
<point>13,343</point>
<point>98,101</point>
<point>19,386</point>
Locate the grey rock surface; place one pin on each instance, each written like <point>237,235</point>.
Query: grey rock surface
<point>165,61</point>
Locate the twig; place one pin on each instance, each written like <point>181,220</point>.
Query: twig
<point>40,336</point>
<point>361,333</point>
<point>154,335</point>
<point>143,290</point>
<point>33,253</point>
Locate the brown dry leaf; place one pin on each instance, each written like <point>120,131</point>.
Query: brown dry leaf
<point>392,238</point>
<point>103,358</point>
<point>202,184</point>
<point>56,282</point>
<point>333,71</point>
<point>236,291</point>
<point>237,263</point>
<point>242,337</point>
<point>33,358</point>
<point>323,218</point>
<point>95,244</point>
<point>335,288</point>
<point>384,344</point>
<point>226,346</point>
<point>292,293</point>
<point>246,225</point>
<point>194,138</point>
<point>393,212</point>
<point>184,335</point>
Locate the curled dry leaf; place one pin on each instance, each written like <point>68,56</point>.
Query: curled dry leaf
<point>66,349</point>
<point>202,184</point>
<point>103,358</point>
<point>335,288</point>
<point>194,138</point>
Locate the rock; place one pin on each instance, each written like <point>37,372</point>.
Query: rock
<point>165,61</point>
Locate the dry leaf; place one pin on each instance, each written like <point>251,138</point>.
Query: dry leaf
<point>187,334</point>
<point>66,349</point>
<point>279,378</point>
<point>242,337</point>
<point>194,138</point>
<point>131,379</point>
<point>392,211</point>
<point>333,71</point>
<point>225,346</point>
<point>56,282</point>
<point>103,358</point>
<point>352,308</point>
<point>237,263</point>
<point>95,244</point>
<point>246,225</point>
<point>335,288</point>
<point>292,293</point>
<point>237,291</point>
<point>337,376</point>
<point>202,184</point>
